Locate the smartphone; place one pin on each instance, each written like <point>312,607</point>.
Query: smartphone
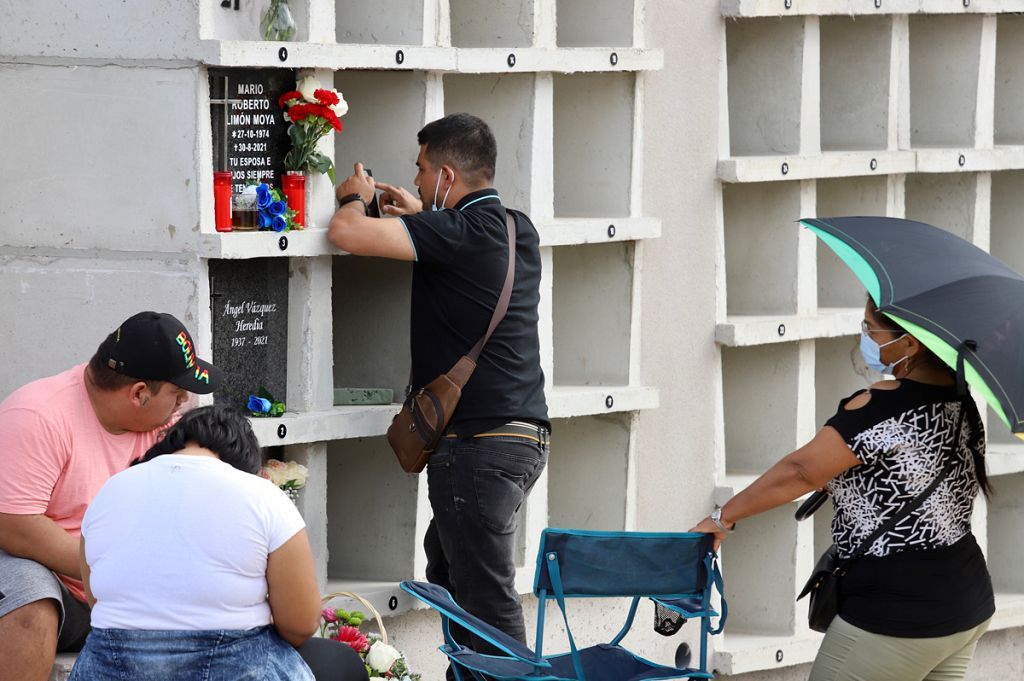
<point>373,210</point>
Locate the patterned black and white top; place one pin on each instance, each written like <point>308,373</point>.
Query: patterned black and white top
<point>900,587</point>
<point>902,437</point>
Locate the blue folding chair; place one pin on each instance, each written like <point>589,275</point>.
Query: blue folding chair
<point>674,569</point>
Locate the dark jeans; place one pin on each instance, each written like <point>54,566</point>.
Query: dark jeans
<point>476,485</point>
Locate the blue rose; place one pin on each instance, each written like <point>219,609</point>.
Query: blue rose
<point>276,208</point>
<point>278,223</point>
<point>264,220</point>
<point>263,195</point>
<point>259,405</point>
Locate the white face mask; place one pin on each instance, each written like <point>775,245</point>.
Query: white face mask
<point>437,186</point>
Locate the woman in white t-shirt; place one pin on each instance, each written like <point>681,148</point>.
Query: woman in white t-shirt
<point>196,567</point>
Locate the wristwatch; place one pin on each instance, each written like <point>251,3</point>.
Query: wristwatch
<point>349,198</point>
<point>716,518</point>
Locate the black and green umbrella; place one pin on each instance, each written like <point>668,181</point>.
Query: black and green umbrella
<point>958,300</point>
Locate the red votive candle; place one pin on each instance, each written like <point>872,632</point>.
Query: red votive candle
<point>222,201</point>
<point>293,184</point>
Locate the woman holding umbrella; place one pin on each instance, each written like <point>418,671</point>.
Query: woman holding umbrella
<point>903,461</point>
<point>915,604</point>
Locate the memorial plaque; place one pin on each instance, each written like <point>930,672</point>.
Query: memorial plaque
<point>249,309</point>
<point>250,133</point>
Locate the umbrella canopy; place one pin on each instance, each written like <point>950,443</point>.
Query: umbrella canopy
<point>946,292</point>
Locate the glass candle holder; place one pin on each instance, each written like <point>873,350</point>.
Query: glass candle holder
<point>245,212</point>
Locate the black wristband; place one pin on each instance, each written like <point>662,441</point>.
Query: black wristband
<point>349,198</point>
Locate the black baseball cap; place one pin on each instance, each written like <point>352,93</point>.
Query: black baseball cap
<point>155,346</point>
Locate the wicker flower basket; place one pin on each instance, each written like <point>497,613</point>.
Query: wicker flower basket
<point>327,598</point>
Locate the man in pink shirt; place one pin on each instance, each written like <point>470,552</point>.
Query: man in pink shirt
<point>61,438</point>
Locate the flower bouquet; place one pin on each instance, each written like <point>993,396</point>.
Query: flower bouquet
<point>288,475</point>
<point>313,111</point>
<point>274,212</point>
<point>383,661</point>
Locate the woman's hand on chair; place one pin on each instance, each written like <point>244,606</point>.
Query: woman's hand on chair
<point>707,526</point>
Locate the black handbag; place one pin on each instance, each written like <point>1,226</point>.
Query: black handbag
<point>823,587</point>
<point>824,582</point>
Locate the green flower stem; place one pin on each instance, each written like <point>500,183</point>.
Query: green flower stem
<point>299,156</point>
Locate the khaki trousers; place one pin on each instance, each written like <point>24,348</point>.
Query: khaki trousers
<point>852,654</point>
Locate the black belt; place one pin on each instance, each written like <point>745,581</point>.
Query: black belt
<point>520,429</point>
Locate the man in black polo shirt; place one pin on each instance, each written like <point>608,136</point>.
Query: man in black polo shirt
<point>496,446</point>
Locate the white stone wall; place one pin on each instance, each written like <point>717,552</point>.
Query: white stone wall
<point>672,317</point>
<point>766,112</point>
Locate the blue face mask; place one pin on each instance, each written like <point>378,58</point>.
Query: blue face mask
<point>437,186</point>
<point>872,352</point>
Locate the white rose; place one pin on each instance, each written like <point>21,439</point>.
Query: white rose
<point>297,472</point>
<point>307,86</point>
<point>382,656</point>
<point>341,108</point>
<point>275,471</point>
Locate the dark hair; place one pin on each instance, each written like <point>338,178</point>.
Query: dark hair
<point>464,142</point>
<point>219,428</point>
<point>108,380</point>
<point>980,474</point>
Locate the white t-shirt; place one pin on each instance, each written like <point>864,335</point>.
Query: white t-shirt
<point>181,542</point>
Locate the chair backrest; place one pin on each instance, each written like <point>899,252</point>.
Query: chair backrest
<point>438,598</point>
<point>659,564</point>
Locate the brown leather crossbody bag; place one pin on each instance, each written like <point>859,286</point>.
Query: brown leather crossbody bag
<point>419,426</point>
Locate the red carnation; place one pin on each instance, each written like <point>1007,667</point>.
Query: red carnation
<point>283,99</point>
<point>332,118</point>
<point>301,111</point>
<point>327,97</point>
<point>353,638</point>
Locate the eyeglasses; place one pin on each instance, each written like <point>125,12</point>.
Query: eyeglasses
<point>866,328</point>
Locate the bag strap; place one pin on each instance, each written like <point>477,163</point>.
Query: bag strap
<point>460,374</point>
<point>506,290</point>
<point>914,503</point>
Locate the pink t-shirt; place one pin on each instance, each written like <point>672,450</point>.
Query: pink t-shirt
<point>55,455</point>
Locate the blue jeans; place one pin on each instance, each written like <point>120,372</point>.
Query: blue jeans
<point>232,655</point>
<point>476,485</point>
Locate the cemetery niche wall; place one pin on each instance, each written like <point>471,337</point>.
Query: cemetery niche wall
<point>315,326</point>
